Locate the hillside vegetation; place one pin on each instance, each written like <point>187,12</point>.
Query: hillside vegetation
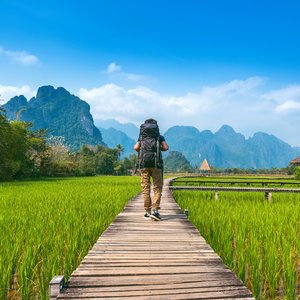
<point>26,153</point>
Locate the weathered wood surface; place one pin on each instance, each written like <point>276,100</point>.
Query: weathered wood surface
<point>231,182</point>
<point>144,259</point>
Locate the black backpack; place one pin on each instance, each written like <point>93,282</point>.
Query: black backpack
<point>150,152</point>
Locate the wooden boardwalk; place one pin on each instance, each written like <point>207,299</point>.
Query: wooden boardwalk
<point>231,182</point>
<point>144,259</point>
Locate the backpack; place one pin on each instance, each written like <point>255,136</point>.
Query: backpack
<point>150,152</point>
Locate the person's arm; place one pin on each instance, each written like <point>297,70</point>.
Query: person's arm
<point>137,146</point>
<point>164,146</point>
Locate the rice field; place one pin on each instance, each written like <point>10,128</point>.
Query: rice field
<point>258,240</point>
<point>47,227</point>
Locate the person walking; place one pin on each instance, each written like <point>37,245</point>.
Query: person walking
<point>150,162</point>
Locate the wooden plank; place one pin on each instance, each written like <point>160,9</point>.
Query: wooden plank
<point>132,263</point>
<point>142,287</point>
<point>105,271</point>
<point>242,291</point>
<point>142,259</point>
<point>150,279</point>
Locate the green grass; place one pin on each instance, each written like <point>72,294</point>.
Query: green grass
<point>47,227</point>
<point>259,241</point>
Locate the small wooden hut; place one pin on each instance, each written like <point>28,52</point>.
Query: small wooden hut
<point>205,168</point>
<point>296,161</point>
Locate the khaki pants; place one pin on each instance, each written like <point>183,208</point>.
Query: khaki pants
<point>157,179</point>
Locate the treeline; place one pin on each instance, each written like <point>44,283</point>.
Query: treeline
<point>25,154</point>
<point>290,170</point>
<point>236,171</point>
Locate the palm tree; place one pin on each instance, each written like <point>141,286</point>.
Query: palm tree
<point>120,149</point>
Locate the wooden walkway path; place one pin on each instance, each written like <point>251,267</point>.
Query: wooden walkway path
<point>231,182</point>
<point>144,259</point>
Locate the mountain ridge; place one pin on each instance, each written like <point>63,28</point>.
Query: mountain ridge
<point>58,111</point>
<point>113,137</point>
<point>130,129</point>
<point>64,114</point>
<point>229,149</point>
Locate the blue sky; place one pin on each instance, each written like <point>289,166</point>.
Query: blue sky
<point>199,63</point>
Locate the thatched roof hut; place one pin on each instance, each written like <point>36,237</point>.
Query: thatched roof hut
<point>204,166</point>
<point>295,161</point>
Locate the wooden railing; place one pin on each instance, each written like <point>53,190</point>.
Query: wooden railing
<point>268,191</point>
<point>248,183</point>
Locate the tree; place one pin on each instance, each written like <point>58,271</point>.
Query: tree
<point>297,172</point>
<point>119,149</point>
<point>86,161</point>
<point>23,151</point>
<point>20,163</point>
<point>38,152</point>
<point>60,161</point>
<point>5,155</point>
<point>105,163</point>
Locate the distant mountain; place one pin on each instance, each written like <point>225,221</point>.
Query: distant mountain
<point>112,137</point>
<point>61,113</point>
<point>226,148</point>
<point>130,129</point>
<point>268,150</point>
<point>176,162</point>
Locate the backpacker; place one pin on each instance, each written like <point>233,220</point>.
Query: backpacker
<point>150,153</point>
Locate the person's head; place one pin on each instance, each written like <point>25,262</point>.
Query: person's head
<point>151,121</point>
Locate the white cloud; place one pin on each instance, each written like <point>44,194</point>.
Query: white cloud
<point>7,92</point>
<point>134,77</point>
<point>20,57</point>
<point>234,87</point>
<point>285,94</point>
<point>112,101</point>
<point>289,105</point>
<point>115,101</point>
<point>238,103</point>
<point>115,70</point>
<point>286,100</point>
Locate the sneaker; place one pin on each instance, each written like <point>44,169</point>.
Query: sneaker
<point>155,215</point>
<point>147,216</point>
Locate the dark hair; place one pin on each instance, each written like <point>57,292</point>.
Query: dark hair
<point>151,121</point>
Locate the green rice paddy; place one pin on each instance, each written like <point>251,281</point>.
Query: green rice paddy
<point>47,227</point>
<point>258,240</point>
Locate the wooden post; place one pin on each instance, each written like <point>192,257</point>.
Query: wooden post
<point>186,211</point>
<point>55,286</point>
<point>216,196</point>
<point>268,196</point>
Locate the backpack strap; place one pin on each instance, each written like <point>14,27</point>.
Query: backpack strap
<point>140,154</point>
<point>157,152</point>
